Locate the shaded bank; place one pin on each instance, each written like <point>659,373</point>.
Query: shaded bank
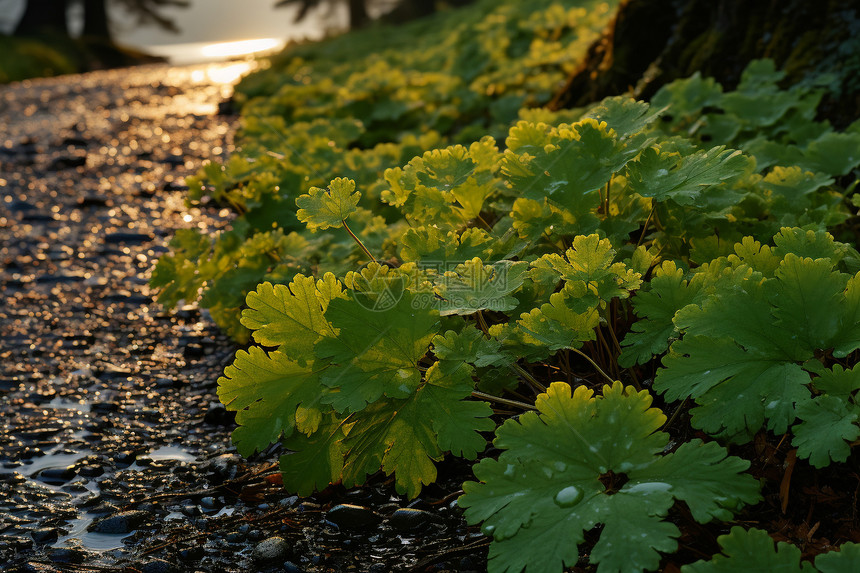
<point>45,56</point>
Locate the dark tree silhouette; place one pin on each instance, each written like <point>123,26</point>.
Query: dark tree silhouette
<point>97,24</point>
<point>48,17</point>
<point>401,11</point>
<point>43,17</point>
<point>358,16</point>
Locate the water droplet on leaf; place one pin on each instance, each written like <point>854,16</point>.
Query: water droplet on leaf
<point>569,496</point>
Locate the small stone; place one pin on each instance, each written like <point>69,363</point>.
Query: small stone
<point>271,549</point>
<point>191,553</point>
<point>125,459</point>
<point>16,543</point>
<point>350,516</point>
<point>94,201</point>
<point>291,567</point>
<point>67,555</point>
<point>67,161</point>
<point>166,383</point>
<point>156,566</point>
<point>218,415</point>
<point>289,501</point>
<point>124,522</point>
<point>91,470</point>
<point>208,502</point>
<point>56,476</point>
<point>45,535</point>
<point>103,407</point>
<point>128,238</point>
<point>224,466</point>
<point>408,519</point>
<point>235,537</point>
<point>193,351</point>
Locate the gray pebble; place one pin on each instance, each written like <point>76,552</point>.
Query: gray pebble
<point>352,516</point>
<point>271,549</point>
<point>67,555</point>
<point>45,535</point>
<point>157,566</point>
<point>407,519</point>
<point>124,522</point>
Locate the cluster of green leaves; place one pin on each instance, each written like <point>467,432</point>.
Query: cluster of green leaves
<point>350,387</point>
<point>761,338</point>
<point>548,487</point>
<point>356,105</point>
<point>753,550</point>
<point>467,265</point>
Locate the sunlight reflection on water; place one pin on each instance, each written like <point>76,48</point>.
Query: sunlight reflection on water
<point>197,52</point>
<point>222,74</point>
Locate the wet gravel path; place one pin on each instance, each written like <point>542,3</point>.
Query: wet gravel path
<point>114,453</point>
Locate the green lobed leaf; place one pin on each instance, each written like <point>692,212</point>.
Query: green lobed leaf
<point>292,317</point>
<point>625,115</point>
<point>682,178</point>
<point>847,558</point>
<point>405,437</point>
<point>666,293</point>
<point>265,390</point>
<point>589,262</point>
<point>743,345</point>
<point>566,321</point>
<point>835,153</point>
<point>751,550</point>
<point>316,459</point>
<point>828,424</point>
<point>474,286</point>
<point>376,350</point>
<point>324,208</point>
<point>568,171</point>
<point>469,345</point>
<point>546,484</point>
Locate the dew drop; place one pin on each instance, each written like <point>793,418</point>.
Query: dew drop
<point>569,496</point>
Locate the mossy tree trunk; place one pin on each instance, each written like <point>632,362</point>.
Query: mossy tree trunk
<point>652,42</point>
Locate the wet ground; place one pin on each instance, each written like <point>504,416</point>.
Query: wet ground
<point>114,451</point>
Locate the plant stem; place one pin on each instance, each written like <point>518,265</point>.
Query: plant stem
<point>487,225</point>
<point>648,220</point>
<point>482,323</point>
<point>357,240</point>
<point>528,377</point>
<point>610,356</point>
<point>593,363</point>
<point>606,208</point>
<point>674,415</point>
<point>491,398</point>
<point>567,370</point>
